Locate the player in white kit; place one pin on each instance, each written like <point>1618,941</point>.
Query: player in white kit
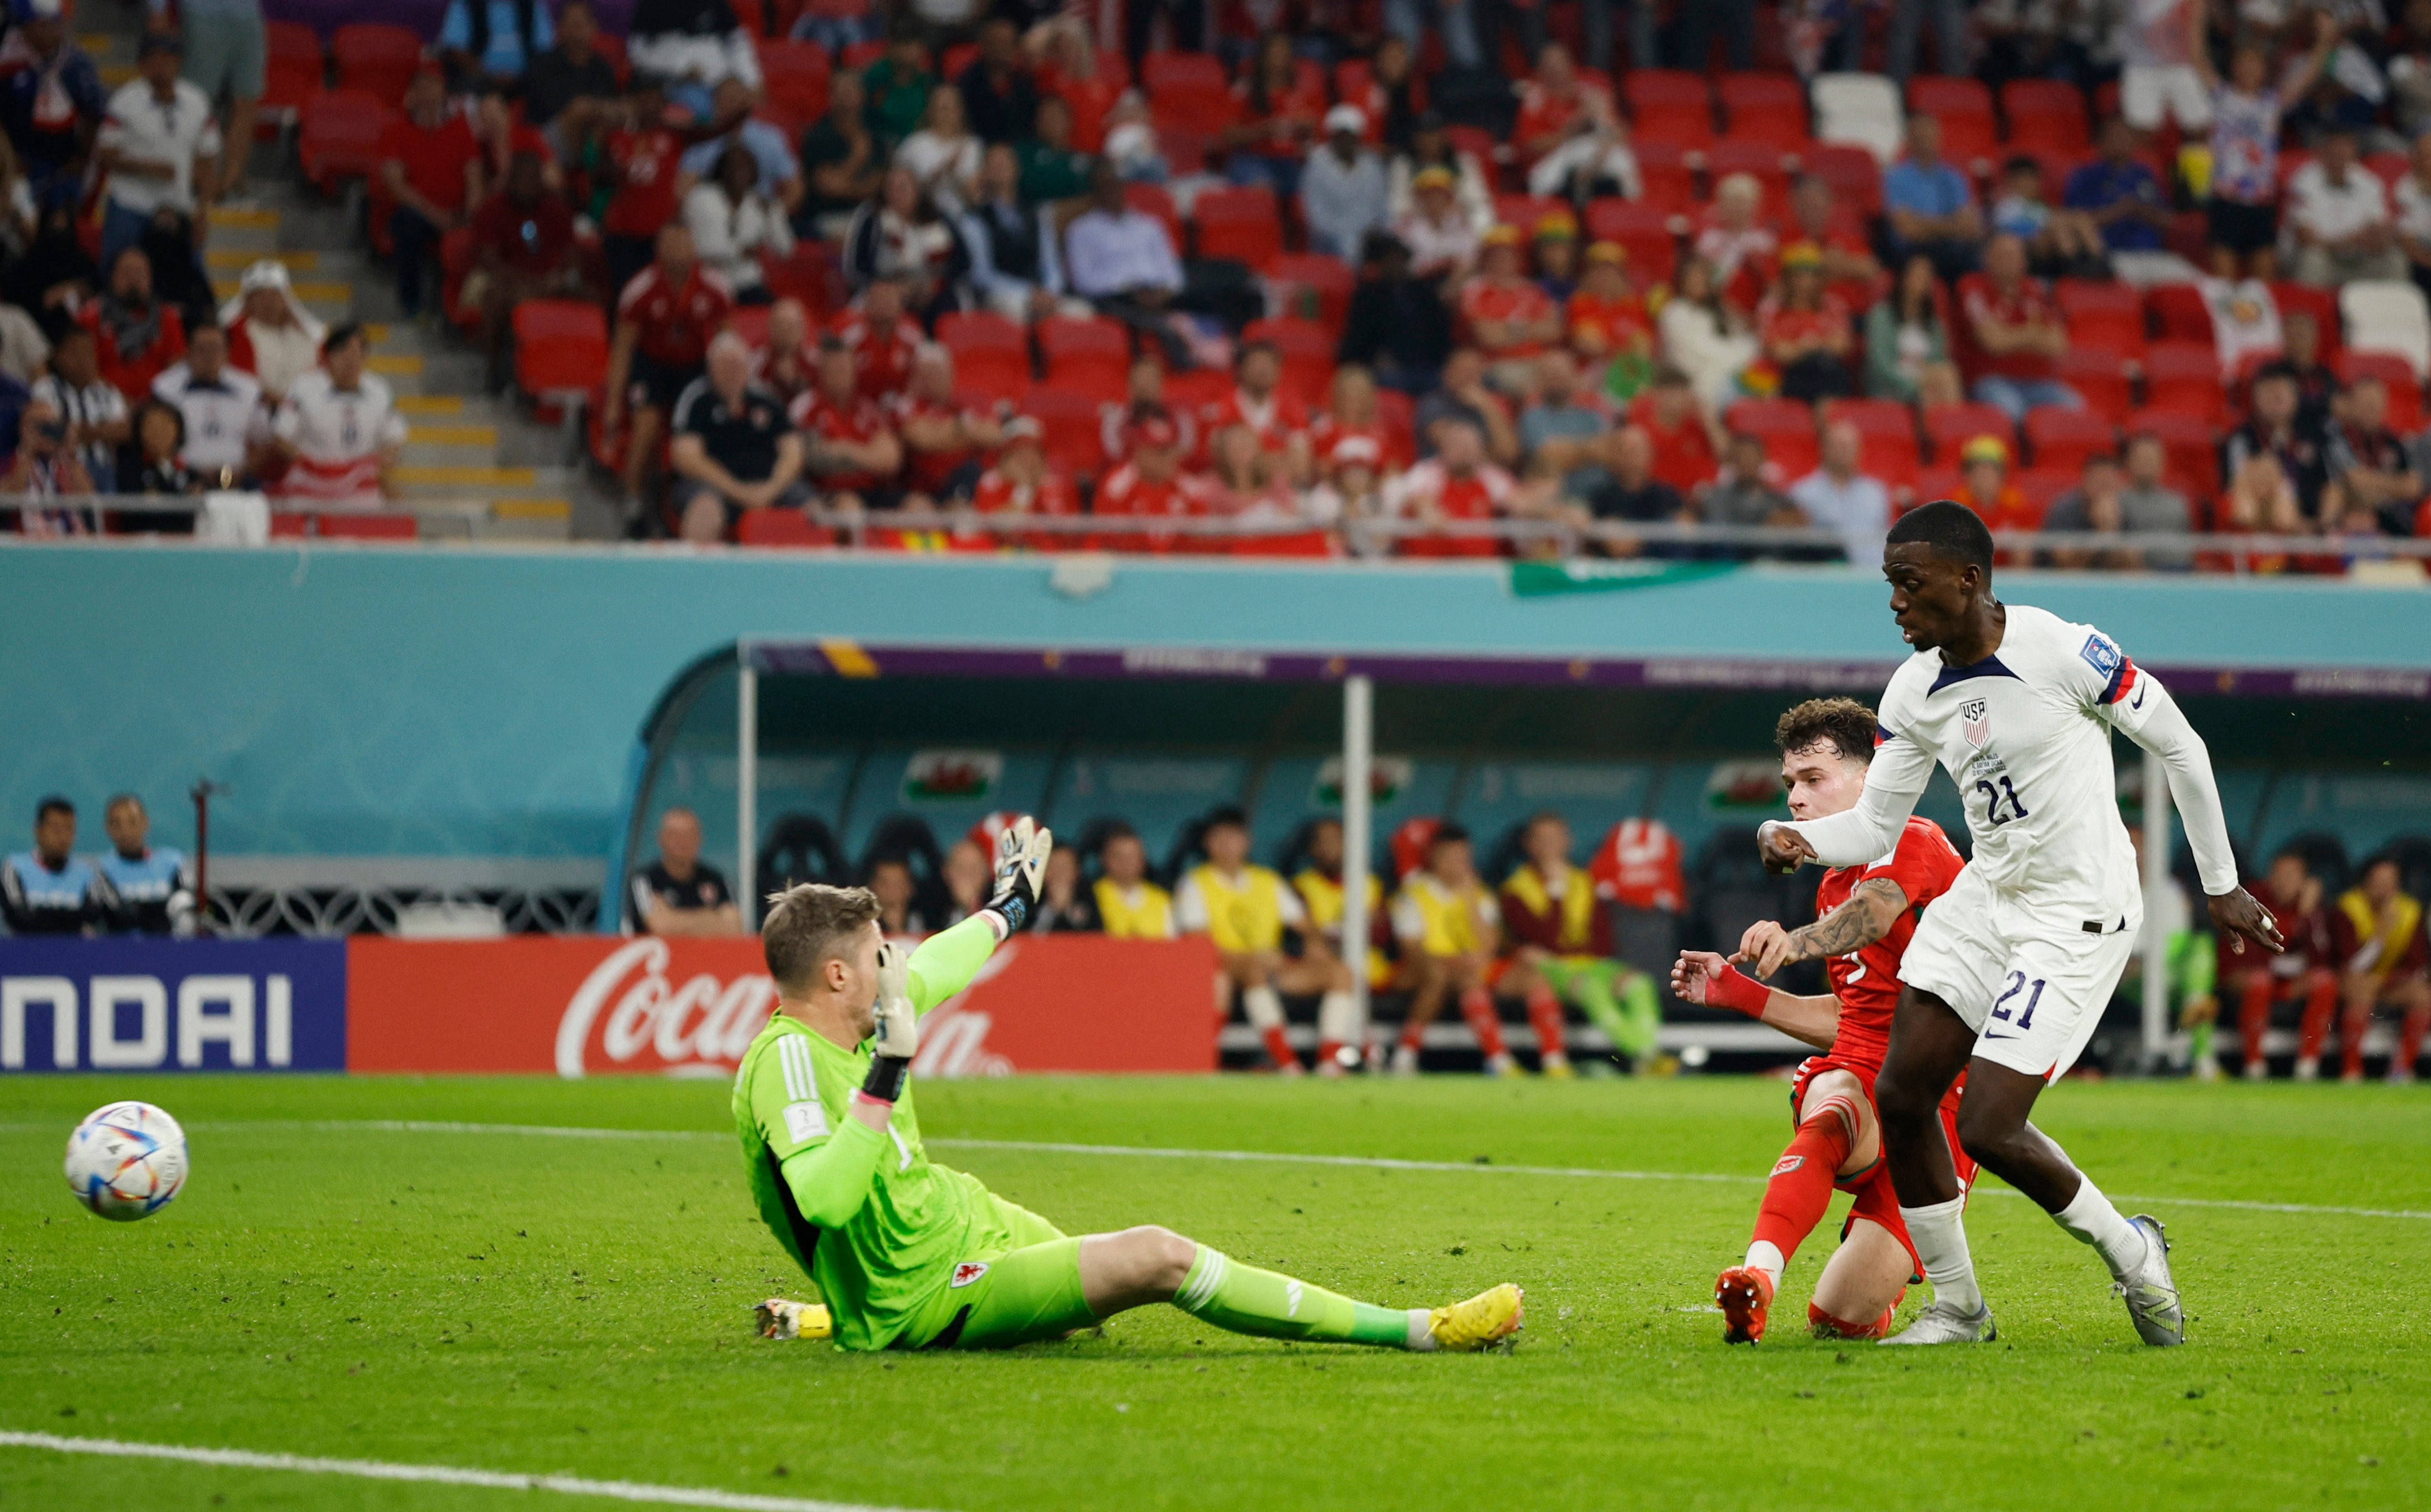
<point>2009,971</point>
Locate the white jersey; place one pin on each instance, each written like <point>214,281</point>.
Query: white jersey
<point>338,436</point>
<point>224,416</point>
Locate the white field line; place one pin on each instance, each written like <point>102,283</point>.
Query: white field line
<point>380,1470</point>
<point>1278,1157</point>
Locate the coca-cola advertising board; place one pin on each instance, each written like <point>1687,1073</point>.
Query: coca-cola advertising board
<point>596,1005</point>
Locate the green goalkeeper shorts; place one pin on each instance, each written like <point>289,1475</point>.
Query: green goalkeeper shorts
<point>1030,1292</point>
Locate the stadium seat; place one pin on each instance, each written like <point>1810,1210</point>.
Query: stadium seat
<point>1890,429</point>
<point>2184,377</point>
<point>2178,312</point>
<point>1525,210</point>
<point>338,136</point>
<point>780,528</point>
<point>2397,375</point>
<point>2388,316</point>
<point>293,69</point>
<point>1643,232</point>
<point>1325,282</point>
<point>2389,167</point>
<point>2099,378</point>
<point>750,322</point>
<point>1075,436</point>
<point>1187,91</point>
<point>1152,199</point>
<point>1762,160</point>
<point>1480,143</point>
<point>1949,427</point>
<point>2102,315</point>
<point>991,351</point>
<point>1669,105</point>
<point>289,524</point>
<point>2321,304</point>
<point>1089,356</point>
<point>2062,438</point>
<point>1241,224</point>
<point>368,527</point>
<point>2043,486</point>
<point>560,347</point>
<point>1767,108</point>
<point>1307,351</point>
<point>2194,453</point>
<point>376,57</point>
<point>1785,426</point>
<point>1856,177</point>
<point>1859,109</point>
<point>796,76</point>
<point>1669,183</point>
<point>1970,136</point>
<point>2046,113</point>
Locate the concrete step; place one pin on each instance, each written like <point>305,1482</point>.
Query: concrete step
<point>221,258</point>
<point>483,436</point>
<point>431,404</point>
<point>459,478</point>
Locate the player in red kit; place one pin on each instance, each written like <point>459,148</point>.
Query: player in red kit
<point>1864,917</point>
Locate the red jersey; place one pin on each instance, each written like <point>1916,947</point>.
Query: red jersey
<point>927,471</point>
<point>645,189</point>
<point>1601,325</point>
<point>1325,433</point>
<point>1684,454</point>
<point>434,157</point>
<point>1276,421</point>
<point>1521,300</point>
<point>1089,100</point>
<point>1124,492</point>
<point>1480,496</point>
<point>2306,929</point>
<point>2025,305</point>
<point>822,419</point>
<point>881,362</point>
<point>1543,113</point>
<point>1000,494</point>
<point>1301,110</point>
<point>132,369</point>
<point>1778,325</point>
<point>1867,982</point>
<point>676,321</point>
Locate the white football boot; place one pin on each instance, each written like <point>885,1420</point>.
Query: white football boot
<point>2151,1295</point>
<point>1942,1324</point>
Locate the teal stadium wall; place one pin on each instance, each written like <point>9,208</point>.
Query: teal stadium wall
<point>439,702</point>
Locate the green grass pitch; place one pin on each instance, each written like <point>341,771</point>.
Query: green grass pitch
<point>581,1305</point>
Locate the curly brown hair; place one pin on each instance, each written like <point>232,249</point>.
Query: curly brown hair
<point>1847,723</point>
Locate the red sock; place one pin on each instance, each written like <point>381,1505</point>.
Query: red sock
<point>1545,1017</point>
<point>1279,1046</point>
<point>1826,1326</point>
<point>1477,1006</point>
<point>2351,1033</point>
<point>1413,1036</point>
<point>1800,1187</point>
<point>1329,1052</point>
<point>2409,1041</point>
<point>2320,1004</point>
<point>2254,1014</point>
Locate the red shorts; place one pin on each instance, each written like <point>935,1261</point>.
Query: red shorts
<point>1877,1203</point>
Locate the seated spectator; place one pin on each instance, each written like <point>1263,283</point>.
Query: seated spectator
<point>896,87</point>
<point>1838,496</point>
<point>1245,909</point>
<point>884,341</point>
<point>1441,238</point>
<point>2019,332</point>
<point>733,125</point>
<point>2244,322</point>
<point>1633,494</point>
<point>2372,487</point>
<point>944,440</point>
<point>1906,339</point>
<point>1150,485</point>
<point>733,224</point>
<point>695,45</point>
<point>222,419</point>
<point>137,888</point>
<point>2378,939</point>
<point>1746,491</point>
<point>679,893</point>
<point>787,367</point>
<point>1022,482</point>
<point>1553,249</point>
<point>2260,501</point>
<point>1397,326</point>
<point>1562,951</point>
<point>430,166</point>
<point>1849,263</point>
<point>1244,482</point>
<point>1595,162</point>
<point>339,430</point>
<point>1342,190</point>
<point>1555,106</point>
<point>2148,504</point>
<point>1683,433</point>
<point>902,235</point>
<point>2275,424</point>
<point>569,87</point>
<point>944,155</point>
<point>2413,195</point>
<point>1464,395</point>
<point>1704,338</point>
<point>492,42</point>
<point>2092,508</point>
<point>1143,398</point>
<point>1735,240</point>
<point>270,333</point>
<point>996,91</point>
<point>889,878</point>
<point>1431,146</point>
<point>1984,487</point>
<point>1133,149</point>
<point>92,410</point>
<point>1563,431</point>
<point>732,450</point>
<point>1450,931</point>
<point>1052,171</point>
<point>1014,265</point>
<point>1457,485</point>
<point>1349,496</point>
<point>2065,241</point>
<point>1272,413</point>
<point>1275,120</point>
<point>853,459</point>
<point>1121,260</point>
<point>2338,217</point>
<point>151,463</point>
<point>2317,385</point>
<point>135,336</point>
<point>157,150</point>
<point>525,247</point>
<point>1608,325</point>
<point>45,466</point>
<point>664,318</point>
<point>51,100</point>
<point>1804,330</point>
<point>47,890</point>
<point>2138,503</point>
<point>1509,318</point>
<point>2117,193</point>
<point>1930,204</point>
<point>1131,906</point>
<point>1066,904</point>
<point>843,162</point>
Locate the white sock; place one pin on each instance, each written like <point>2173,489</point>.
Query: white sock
<point>1338,1018</point>
<point>2091,1218</point>
<point>1940,1235</point>
<point>1422,1339</point>
<point>1765,1256</point>
<point>1264,1008</point>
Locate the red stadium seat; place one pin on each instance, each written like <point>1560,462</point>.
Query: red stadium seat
<point>293,69</point>
<point>560,345</point>
<point>2184,377</point>
<point>2178,312</point>
<point>2043,486</point>
<point>1188,90</point>
<point>1314,286</point>
<point>338,136</point>
<point>750,322</point>
<point>1856,177</point>
<point>1480,143</point>
<point>795,78</point>
<point>990,352</point>
<point>1964,107</point>
<point>1785,426</point>
<point>1890,429</point>
<point>2194,454</point>
<point>2046,114</point>
<point>1307,351</point>
<point>2098,379</point>
<point>780,528</point>
<point>2396,375</point>
<point>1152,199</point>
<point>2064,438</point>
<point>1239,223</point>
<point>1767,108</point>
<point>368,527</point>
<point>2102,315</point>
<point>1643,232</point>
<point>2321,304</point>
<point>377,57</point>
<point>1670,183</point>
<point>1525,210</point>
<point>1088,357</point>
<point>1075,436</point>
<point>287,524</point>
<point>1669,105</point>
<point>1951,426</point>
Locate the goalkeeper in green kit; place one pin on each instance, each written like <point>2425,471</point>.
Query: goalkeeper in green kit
<point>909,1254</point>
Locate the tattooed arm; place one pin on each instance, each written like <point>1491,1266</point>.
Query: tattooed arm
<point>1867,916</point>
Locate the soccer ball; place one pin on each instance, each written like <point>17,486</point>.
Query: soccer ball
<point>127,1160</point>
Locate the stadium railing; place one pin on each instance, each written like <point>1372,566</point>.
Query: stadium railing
<point>472,519</point>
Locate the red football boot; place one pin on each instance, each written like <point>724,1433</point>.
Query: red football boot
<point>1744,1293</point>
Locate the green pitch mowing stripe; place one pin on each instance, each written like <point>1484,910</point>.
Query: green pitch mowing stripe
<point>376,1469</point>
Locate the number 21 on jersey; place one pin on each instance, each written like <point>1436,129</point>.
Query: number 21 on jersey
<point>1994,798</point>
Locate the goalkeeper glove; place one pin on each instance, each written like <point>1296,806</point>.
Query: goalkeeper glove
<point>897,1038</point>
<point>1020,860</point>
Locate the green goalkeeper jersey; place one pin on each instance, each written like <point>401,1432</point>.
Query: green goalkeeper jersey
<point>876,1226</point>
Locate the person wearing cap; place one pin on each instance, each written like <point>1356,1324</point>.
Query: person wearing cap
<point>431,167</point>
<point>51,98</point>
<point>1151,486</point>
<point>1985,486</point>
<point>1441,240</point>
<point>1342,189</point>
<point>732,449</point>
<point>157,150</point>
<point>1022,481</point>
<point>1397,326</point>
<point>1608,325</point>
<point>1805,329</point>
<point>1431,146</point>
<point>270,333</point>
<point>1458,484</point>
<point>1350,491</point>
<point>1510,318</point>
<point>1554,249</point>
<point>227,52</point>
<point>2019,334</point>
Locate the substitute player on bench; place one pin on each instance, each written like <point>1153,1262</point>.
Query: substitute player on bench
<point>2010,970</point>
<point>1864,915</point>
<point>912,1255</point>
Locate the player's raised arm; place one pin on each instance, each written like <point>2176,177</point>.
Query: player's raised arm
<point>1702,977</point>
<point>1867,916</point>
<point>830,1175</point>
<point>1894,782</point>
<point>945,962</point>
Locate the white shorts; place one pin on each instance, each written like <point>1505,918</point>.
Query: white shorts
<point>2144,94</point>
<point>2032,988</point>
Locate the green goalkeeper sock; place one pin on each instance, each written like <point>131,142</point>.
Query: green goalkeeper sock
<point>1245,1300</point>
<point>2199,1043</point>
<point>1631,1019</point>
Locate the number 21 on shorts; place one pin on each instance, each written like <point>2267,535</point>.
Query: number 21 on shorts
<point>2017,984</point>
